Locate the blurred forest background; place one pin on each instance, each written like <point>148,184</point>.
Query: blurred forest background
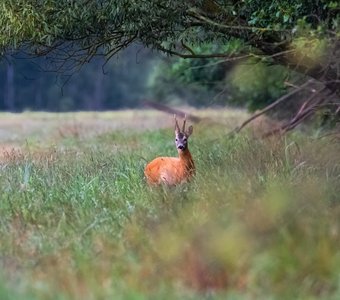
<point>35,84</point>
<point>134,75</point>
<point>138,74</point>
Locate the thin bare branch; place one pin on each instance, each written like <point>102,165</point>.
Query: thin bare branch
<point>182,55</point>
<point>287,83</point>
<point>196,14</point>
<point>226,56</point>
<point>271,106</point>
<point>187,48</point>
<point>309,105</point>
<point>173,111</point>
<point>307,110</point>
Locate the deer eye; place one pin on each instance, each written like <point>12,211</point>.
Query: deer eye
<point>176,140</point>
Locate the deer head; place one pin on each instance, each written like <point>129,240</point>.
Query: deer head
<point>182,136</point>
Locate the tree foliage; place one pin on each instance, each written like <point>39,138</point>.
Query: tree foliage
<point>83,28</point>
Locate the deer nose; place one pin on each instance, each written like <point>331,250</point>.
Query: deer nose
<point>180,147</point>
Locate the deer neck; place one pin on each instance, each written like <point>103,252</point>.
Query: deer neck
<point>186,158</point>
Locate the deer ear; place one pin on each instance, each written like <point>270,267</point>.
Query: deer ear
<point>190,130</point>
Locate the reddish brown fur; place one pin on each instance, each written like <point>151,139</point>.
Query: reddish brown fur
<point>172,170</point>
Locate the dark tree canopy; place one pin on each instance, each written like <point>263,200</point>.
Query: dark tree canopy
<point>84,28</point>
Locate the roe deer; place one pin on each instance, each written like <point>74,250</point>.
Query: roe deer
<point>173,170</point>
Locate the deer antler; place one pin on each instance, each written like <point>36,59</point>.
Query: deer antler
<point>176,124</point>
<point>184,121</point>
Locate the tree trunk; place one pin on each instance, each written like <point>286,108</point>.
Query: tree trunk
<point>9,88</point>
<point>38,94</point>
<point>98,89</point>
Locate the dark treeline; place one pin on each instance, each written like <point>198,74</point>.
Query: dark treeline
<point>35,84</point>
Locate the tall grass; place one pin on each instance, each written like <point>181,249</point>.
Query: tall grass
<point>261,219</point>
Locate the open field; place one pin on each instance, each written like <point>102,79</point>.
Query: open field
<point>261,219</point>
<point>48,129</point>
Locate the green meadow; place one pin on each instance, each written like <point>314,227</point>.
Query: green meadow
<point>260,220</point>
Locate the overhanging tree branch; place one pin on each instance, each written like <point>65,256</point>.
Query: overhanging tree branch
<point>271,106</point>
